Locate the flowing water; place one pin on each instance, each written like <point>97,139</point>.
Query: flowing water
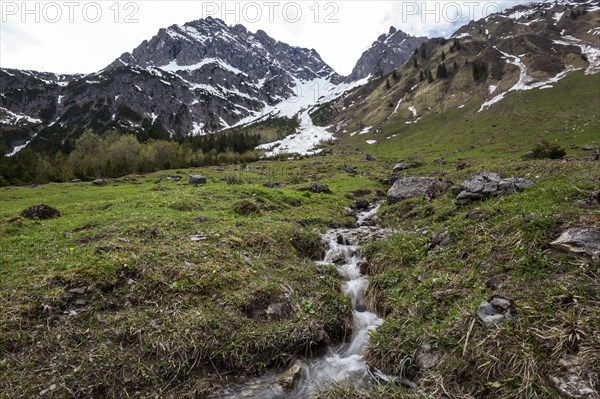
<point>344,363</point>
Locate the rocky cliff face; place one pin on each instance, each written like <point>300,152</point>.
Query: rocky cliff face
<point>389,52</point>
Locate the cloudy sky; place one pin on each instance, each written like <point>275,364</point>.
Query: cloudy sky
<point>85,36</point>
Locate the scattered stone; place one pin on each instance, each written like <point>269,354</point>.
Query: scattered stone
<point>369,158</point>
<point>349,169</point>
<point>76,181</point>
<point>279,310</point>
<point>595,156</point>
<point>495,311</point>
<point>461,165</point>
<point>272,185</point>
<point>439,161</point>
<point>41,212</point>
<point>571,378</point>
<point>477,214</point>
<point>339,257</point>
<point>81,302</point>
<point>440,239</point>
<point>487,267</point>
<point>589,147</point>
<point>198,237</point>
<point>491,283</point>
<point>425,357</point>
<point>579,241</point>
<point>488,184</point>
<point>78,290</point>
<point>399,167</point>
<point>445,295</point>
<point>200,219</point>
<point>361,205</point>
<point>289,379</point>
<point>197,180</point>
<point>99,182</point>
<point>437,188</point>
<point>589,202</point>
<point>364,267</point>
<point>152,232</point>
<point>317,188</point>
<point>393,179</point>
<point>409,187</point>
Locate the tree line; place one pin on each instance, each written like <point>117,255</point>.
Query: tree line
<point>114,155</point>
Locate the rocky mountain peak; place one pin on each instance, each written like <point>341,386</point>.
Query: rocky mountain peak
<point>389,52</point>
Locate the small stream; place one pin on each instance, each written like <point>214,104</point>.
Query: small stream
<point>343,363</point>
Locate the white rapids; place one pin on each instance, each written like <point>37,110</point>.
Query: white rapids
<point>344,363</point>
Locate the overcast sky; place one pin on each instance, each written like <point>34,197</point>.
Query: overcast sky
<point>84,36</point>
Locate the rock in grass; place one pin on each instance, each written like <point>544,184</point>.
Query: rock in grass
<point>99,182</point>
<point>279,310</point>
<point>317,188</point>
<point>590,202</point>
<point>440,239</point>
<point>425,357</point>
<point>42,212</point>
<point>399,167</point>
<point>414,186</point>
<point>579,241</point>
<point>197,180</point>
<point>349,169</point>
<point>488,184</point>
<point>369,158</point>
<point>571,378</point>
<point>495,311</point>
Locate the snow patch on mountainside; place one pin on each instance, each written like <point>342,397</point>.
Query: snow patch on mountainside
<point>303,142</point>
<point>525,81</point>
<point>11,118</point>
<point>173,66</point>
<point>591,53</point>
<point>308,95</point>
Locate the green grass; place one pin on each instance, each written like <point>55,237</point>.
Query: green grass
<point>566,114</point>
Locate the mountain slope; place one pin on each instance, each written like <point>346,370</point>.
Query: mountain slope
<point>524,48</point>
<point>387,53</point>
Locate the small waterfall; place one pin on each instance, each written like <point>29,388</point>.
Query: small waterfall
<point>343,363</point>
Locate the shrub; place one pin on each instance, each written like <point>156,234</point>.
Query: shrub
<point>546,150</point>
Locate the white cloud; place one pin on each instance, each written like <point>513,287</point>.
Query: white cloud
<point>340,31</point>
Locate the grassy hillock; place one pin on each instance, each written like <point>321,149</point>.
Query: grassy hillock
<point>114,298</point>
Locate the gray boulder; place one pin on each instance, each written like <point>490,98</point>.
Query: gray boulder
<point>573,378</point>
<point>589,202</point>
<point>579,241</point>
<point>488,184</point>
<point>440,239</point>
<point>99,182</point>
<point>495,311</point>
<point>290,378</point>
<point>425,357</point>
<point>197,179</point>
<point>399,167</point>
<point>409,187</point>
